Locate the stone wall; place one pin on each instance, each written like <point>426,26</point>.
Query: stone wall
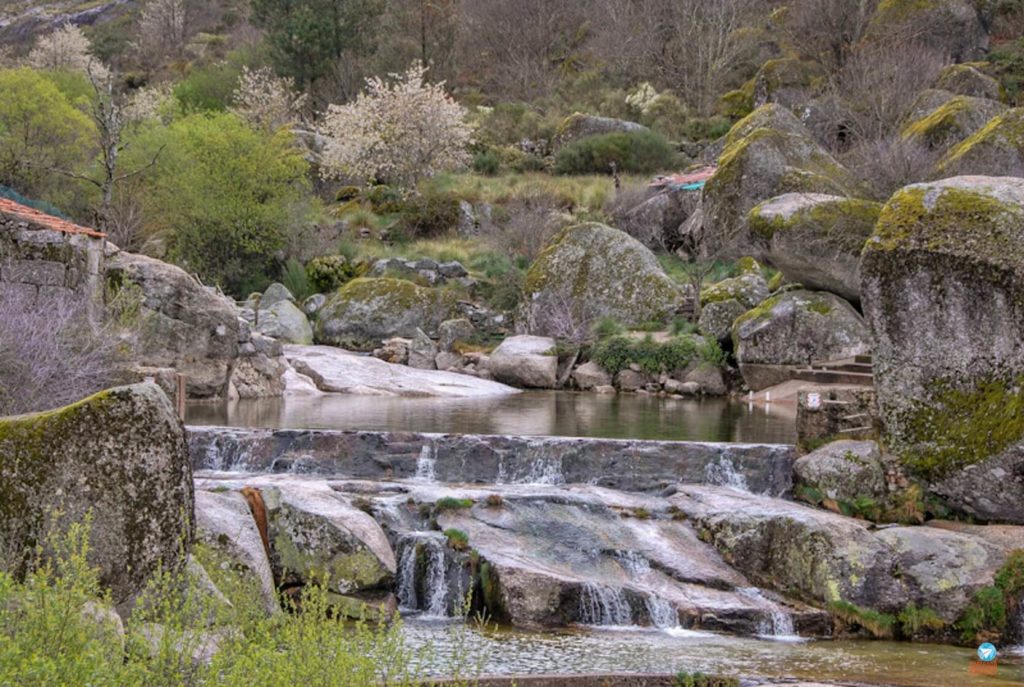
<point>39,261</point>
<point>617,464</point>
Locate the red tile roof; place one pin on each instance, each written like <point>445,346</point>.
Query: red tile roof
<point>33,216</point>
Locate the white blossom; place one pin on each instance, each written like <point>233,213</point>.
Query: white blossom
<point>266,101</point>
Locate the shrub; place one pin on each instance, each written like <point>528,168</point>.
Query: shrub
<point>452,503</point>
<point>457,539</point>
<point>495,501</point>
<point>295,278</point>
<point>486,162</point>
<point>429,214</point>
<point>639,152</point>
<point>914,621</point>
<point>619,352</point>
<point>989,610</point>
<point>607,327</point>
<point>328,273</point>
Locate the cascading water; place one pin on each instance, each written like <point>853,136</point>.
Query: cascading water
<point>724,474</point>
<point>436,584</point>
<point>422,576</point>
<point>663,615</point>
<point>407,600</point>
<point>600,605</point>
<point>635,563</point>
<point>539,471</point>
<point>425,465</point>
<point>776,623</point>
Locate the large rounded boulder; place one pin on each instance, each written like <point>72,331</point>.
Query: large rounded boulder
<point>768,154</point>
<point>365,312</point>
<point>967,79</point>
<point>590,271</point>
<point>118,457</point>
<point>794,329</point>
<point>578,126</point>
<point>943,285</point>
<point>955,28</point>
<point>996,148</point>
<point>952,121</point>
<point>815,239</point>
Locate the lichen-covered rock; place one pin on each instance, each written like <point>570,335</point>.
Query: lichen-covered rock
<point>788,81</point>
<point>422,352</point>
<point>364,312</point>
<point>451,332</point>
<point>997,148</point>
<point>792,329</point>
<point>274,294</point>
<point>952,121</point>
<point>225,523</point>
<point>315,534</point>
<point>943,287</point>
<point>777,156</point>
<point>120,456</point>
<point>956,28</point>
<point>578,126</point>
<point>591,270</point>
<point>749,289</point>
<point>927,101</point>
<point>590,375</point>
<point>708,378</point>
<point>843,471</point>
<point>967,79</point>
<point>285,321</point>
<point>525,362</point>
<point>656,221</point>
<point>815,239</point>
<point>716,318</point>
<point>183,324</point>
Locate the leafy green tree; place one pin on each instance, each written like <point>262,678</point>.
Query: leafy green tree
<point>222,195</point>
<point>41,131</point>
<point>308,37</point>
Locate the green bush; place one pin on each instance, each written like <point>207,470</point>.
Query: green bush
<point>457,539</point>
<point>295,279</point>
<point>638,152</point>
<point>990,609</point>
<point>427,215</point>
<point>616,353</point>
<point>486,162</point>
<point>328,273</point>
<point>452,503</point>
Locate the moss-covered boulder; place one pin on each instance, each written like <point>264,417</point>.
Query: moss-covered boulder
<point>769,154</point>
<point>952,121</point>
<point>794,329</point>
<point>749,288</point>
<point>316,535</point>
<point>365,312</point>
<point>956,28</point>
<point>578,126</point>
<point>842,471</point>
<point>120,456</point>
<point>968,79</point>
<point>815,239</point>
<point>997,148</point>
<point>943,285</point>
<point>716,318</point>
<point>590,271</point>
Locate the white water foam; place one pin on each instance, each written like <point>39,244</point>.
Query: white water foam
<point>604,606</point>
<point>425,465</point>
<point>724,474</point>
<point>777,624</point>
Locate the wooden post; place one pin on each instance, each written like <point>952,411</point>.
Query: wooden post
<point>180,396</point>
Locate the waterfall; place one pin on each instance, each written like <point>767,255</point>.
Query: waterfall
<point>425,464</point>
<point>599,605</point>
<point>538,471</point>
<point>436,584</point>
<point>724,474</point>
<point>407,600</point>
<point>636,564</point>
<point>777,622</point>
<point>664,615</point>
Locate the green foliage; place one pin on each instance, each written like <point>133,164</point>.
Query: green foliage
<point>486,162</point>
<point>457,539</point>
<point>223,194</point>
<point>990,609</point>
<point>607,327</point>
<point>915,621</point>
<point>41,129</point>
<point>880,625</point>
<point>639,152</point>
<point>427,214</point>
<point>328,273</point>
<point>1007,60</point>
<point>616,353</point>
<point>209,88</point>
<point>307,37</point>
<point>452,503</point>
<point>296,280</point>
<point>685,679</point>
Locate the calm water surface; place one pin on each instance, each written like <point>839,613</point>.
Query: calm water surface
<point>548,413</point>
<point>503,651</point>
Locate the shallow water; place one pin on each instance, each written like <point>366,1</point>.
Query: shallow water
<point>542,413</point>
<point>505,651</point>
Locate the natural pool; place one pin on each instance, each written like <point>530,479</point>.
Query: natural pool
<point>504,651</point>
<point>541,413</point>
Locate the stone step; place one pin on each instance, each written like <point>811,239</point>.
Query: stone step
<point>844,367</point>
<point>834,377</point>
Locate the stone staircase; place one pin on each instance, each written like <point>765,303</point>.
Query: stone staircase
<point>854,371</point>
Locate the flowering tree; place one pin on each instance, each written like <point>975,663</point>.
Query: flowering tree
<point>63,48</point>
<point>397,131</point>
<point>266,101</point>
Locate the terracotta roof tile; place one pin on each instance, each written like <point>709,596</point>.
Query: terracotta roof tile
<point>33,216</point>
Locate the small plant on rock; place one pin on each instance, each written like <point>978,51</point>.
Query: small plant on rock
<point>457,539</point>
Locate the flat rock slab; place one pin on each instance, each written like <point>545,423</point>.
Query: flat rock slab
<point>339,371</point>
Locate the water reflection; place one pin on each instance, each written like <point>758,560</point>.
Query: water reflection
<point>547,413</point>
